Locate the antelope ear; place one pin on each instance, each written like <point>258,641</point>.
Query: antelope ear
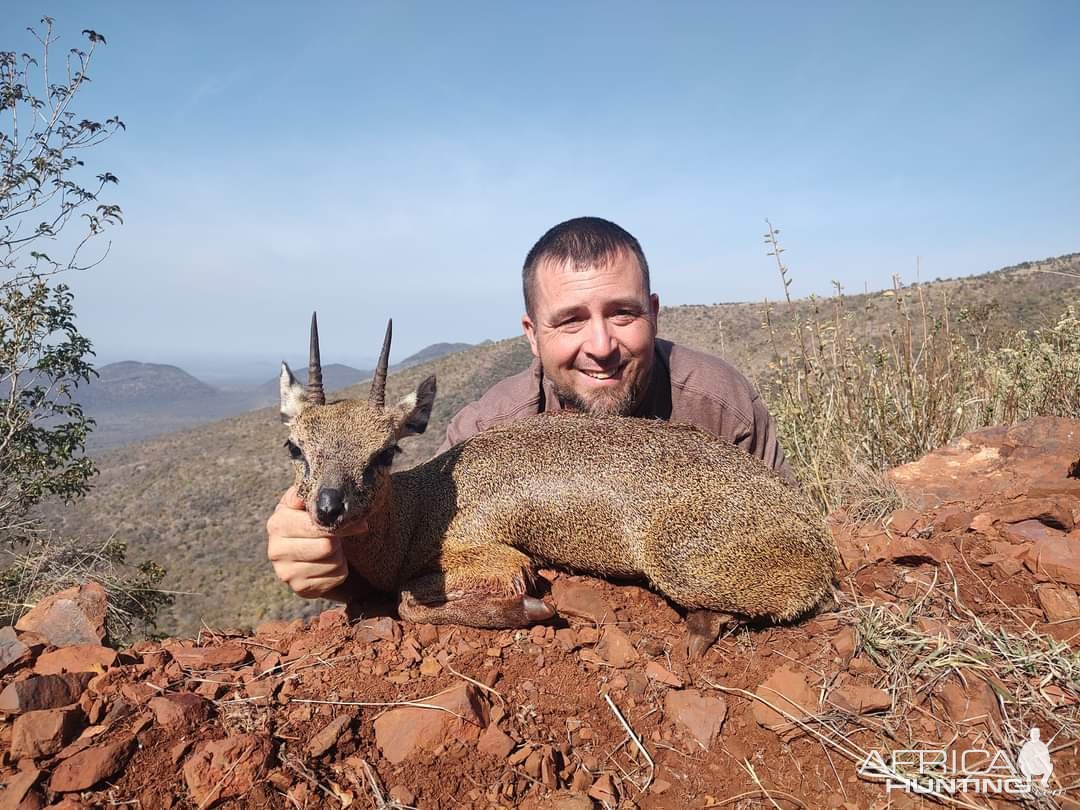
<point>293,400</point>
<point>415,409</point>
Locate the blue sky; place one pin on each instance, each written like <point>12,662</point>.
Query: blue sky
<point>375,159</point>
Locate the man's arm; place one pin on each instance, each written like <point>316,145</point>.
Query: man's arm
<point>762,441</point>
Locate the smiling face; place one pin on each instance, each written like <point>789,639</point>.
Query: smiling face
<point>593,329</point>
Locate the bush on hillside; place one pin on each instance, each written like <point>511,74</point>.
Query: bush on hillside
<point>52,220</point>
<point>849,405</point>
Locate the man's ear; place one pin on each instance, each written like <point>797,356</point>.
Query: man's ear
<point>529,328</point>
<point>293,400</point>
<point>654,307</point>
<point>415,409</point>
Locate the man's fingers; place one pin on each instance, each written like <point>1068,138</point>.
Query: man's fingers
<point>313,587</point>
<point>288,522</point>
<point>305,550</point>
<point>291,500</point>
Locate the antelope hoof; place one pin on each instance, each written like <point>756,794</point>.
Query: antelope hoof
<point>536,610</point>
<point>702,630</point>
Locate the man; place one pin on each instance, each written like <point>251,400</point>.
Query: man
<point>590,318</point>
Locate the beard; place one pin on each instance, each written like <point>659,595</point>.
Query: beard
<point>622,402</point>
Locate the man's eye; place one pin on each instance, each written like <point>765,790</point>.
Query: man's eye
<point>294,452</point>
<point>570,324</point>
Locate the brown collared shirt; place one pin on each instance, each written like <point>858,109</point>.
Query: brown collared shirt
<point>686,386</point>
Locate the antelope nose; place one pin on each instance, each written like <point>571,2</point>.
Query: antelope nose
<point>329,506</point>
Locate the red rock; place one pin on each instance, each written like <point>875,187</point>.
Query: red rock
<point>1053,512</point>
<point>902,521</point>
<point>1056,560</point>
<point>1029,531</point>
<point>402,795</point>
<point>934,627</point>
<point>137,694</point>
<point>1006,569</point>
<point>951,519</point>
<point>852,548</point>
<point>76,658</point>
<point>217,657</point>
<point>845,642</point>
<point>43,692</point>
<point>177,752</point>
<point>327,737</point>
<point>226,769</point>
<point>403,731</point>
<point>582,601</point>
<point>17,788</point>
<point>860,699</point>
<point>701,716</point>
<point>902,549</point>
<point>975,705</point>
<point>1067,632</point>
<point>1059,603</point>
<point>335,617</point>
<point>495,742</point>
<point>787,689</point>
<point>981,523</point>
<point>382,628</point>
<point>603,790</point>
<point>88,767</point>
<point>1030,457</point>
<point>72,616</point>
<point>616,649</point>
<point>275,628</point>
<point>658,672</point>
<point>179,709</point>
<point>12,651</point>
<point>427,634</point>
<point>45,732</point>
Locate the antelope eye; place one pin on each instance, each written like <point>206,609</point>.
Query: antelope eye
<point>294,452</point>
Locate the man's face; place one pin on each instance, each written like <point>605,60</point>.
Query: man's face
<point>593,332</point>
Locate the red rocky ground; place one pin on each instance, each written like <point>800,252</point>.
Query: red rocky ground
<point>956,629</point>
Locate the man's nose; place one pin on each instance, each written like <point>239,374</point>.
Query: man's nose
<point>600,342</point>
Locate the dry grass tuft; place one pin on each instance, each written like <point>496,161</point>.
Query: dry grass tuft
<point>850,404</point>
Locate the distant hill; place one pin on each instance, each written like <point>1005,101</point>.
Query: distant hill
<point>132,384</point>
<point>197,501</point>
<point>433,352</point>
<point>132,401</point>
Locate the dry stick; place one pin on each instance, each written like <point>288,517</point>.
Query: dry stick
<point>634,737</point>
<point>414,704</point>
<point>477,684</point>
<point>373,782</point>
<point>753,775</point>
<point>221,782</point>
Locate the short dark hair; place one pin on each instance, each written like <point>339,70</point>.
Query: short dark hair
<point>584,241</point>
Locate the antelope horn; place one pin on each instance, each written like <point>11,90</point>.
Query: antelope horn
<point>377,397</point>
<point>315,393</point>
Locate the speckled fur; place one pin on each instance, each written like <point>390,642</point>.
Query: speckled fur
<point>710,526</point>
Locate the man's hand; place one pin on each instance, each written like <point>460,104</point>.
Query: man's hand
<point>305,557</point>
